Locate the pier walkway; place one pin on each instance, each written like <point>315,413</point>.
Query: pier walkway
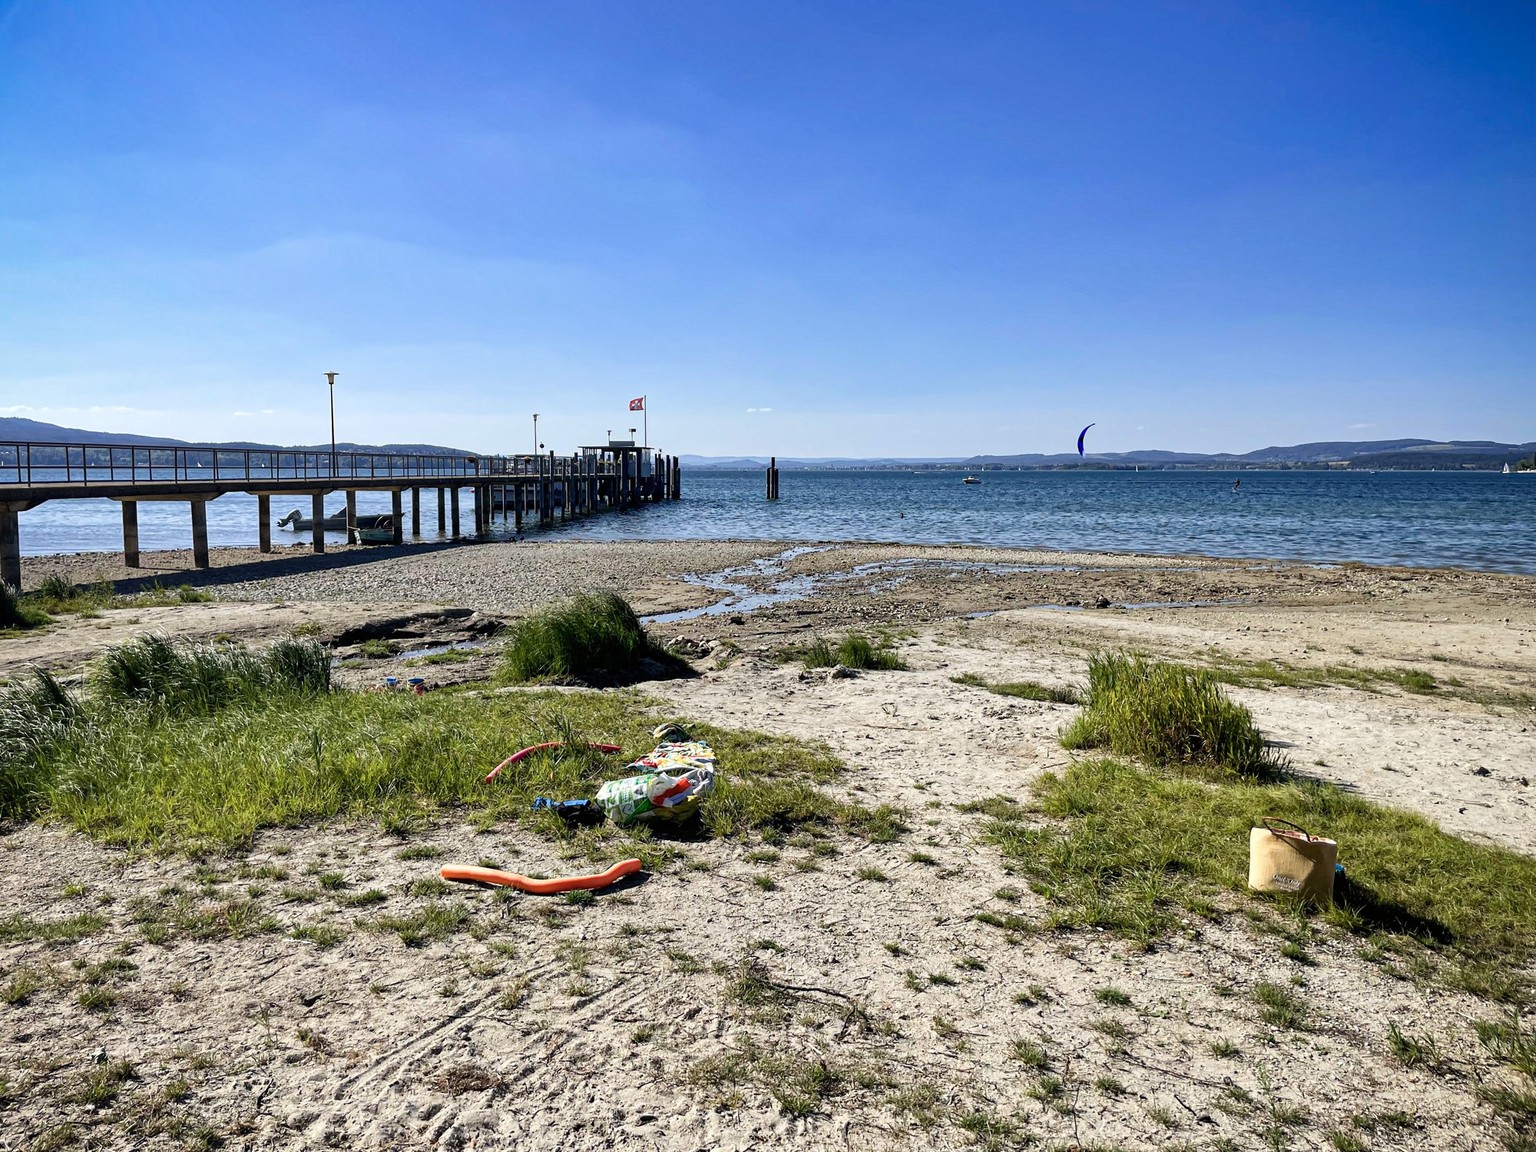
<point>619,474</point>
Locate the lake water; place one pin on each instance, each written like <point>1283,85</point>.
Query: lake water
<point>1433,519</point>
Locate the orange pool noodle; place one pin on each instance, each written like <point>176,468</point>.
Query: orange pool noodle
<point>472,875</point>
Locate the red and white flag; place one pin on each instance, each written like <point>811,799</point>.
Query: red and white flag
<point>637,404</point>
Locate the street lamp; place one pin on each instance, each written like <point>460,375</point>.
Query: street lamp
<point>330,379</point>
<point>535,433</point>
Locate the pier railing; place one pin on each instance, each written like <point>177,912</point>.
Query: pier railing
<point>33,463</point>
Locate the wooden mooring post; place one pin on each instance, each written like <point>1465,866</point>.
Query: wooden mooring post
<point>773,478</point>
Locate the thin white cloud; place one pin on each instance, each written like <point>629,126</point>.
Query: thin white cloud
<point>759,409</point>
<point>1357,427</point>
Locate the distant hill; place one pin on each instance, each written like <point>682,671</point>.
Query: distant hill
<point>17,429</point>
<point>1367,454</point>
<point>1379,454</point>
<point>732,463</point>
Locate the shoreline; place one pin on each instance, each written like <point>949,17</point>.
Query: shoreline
<point>162,564</point>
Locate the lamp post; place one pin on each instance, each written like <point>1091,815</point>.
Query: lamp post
<point>330,379</point>
<point>535,433</point>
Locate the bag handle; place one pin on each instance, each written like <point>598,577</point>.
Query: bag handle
<point>1269,823</point>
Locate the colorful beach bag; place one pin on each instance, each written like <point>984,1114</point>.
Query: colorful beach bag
<point>668,784</point>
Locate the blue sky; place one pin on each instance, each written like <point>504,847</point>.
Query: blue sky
<point>800,228</point>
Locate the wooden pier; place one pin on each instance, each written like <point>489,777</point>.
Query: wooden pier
<point>596,478</point>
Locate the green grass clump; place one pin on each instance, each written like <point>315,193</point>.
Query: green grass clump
<point>1273,673</point>
<point>852,651</point>
<point>1022,689</point>
<point>16,612</point>
<point>594,638</point>
<point>156,595</point>
<point>36,715</point>
<point>448,656</point>
<point>1167,714</point>
<point>1279,1005</point>
<point>1135,851</point>
<point>154,673</point>
<point>57,596</point>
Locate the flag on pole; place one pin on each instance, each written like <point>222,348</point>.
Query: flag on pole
<point>637,404</point>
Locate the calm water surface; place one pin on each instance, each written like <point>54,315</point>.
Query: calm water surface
<point>1435,519</point>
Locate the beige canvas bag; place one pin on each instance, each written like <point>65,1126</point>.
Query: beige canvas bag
<point>1290,859</point>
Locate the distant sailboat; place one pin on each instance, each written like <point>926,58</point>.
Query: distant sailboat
<point>1506,469</point>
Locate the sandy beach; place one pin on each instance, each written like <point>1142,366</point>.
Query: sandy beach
<point>272,1043</point>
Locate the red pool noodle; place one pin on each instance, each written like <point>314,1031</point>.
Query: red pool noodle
<point>529,751</point>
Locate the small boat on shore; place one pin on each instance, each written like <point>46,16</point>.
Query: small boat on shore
<point>336,522</point>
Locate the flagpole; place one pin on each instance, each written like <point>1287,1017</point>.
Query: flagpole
<point>645,411</point>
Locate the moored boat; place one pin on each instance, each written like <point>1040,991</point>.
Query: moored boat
<point>336,522</point>
<point>383,532</point>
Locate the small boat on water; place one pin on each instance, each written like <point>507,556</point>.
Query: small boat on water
<point>1506,469</point>
<point>971,480</point>
<point>382,532</point>
<point>336,522</point>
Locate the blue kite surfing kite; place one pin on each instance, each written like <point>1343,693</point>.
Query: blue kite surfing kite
<point>1080,436</point>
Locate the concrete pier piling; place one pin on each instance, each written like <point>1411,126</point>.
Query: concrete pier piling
<point>453,509</point>
<point>442,516</point>
<point>397,515</point>
<point>416,513</point>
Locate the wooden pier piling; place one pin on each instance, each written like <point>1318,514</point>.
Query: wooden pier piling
<point>10,547</point>
<point>772,478</point>
<point>317,513</point>
<point>415,513</point>
<point>442,517</point>
<point>200,533</point>
<point>453,509</point>
<point>397,515</point>
<point>131,533</point>
<point>263,523</point>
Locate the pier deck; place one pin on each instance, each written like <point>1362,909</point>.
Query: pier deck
<point>617,475</point>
